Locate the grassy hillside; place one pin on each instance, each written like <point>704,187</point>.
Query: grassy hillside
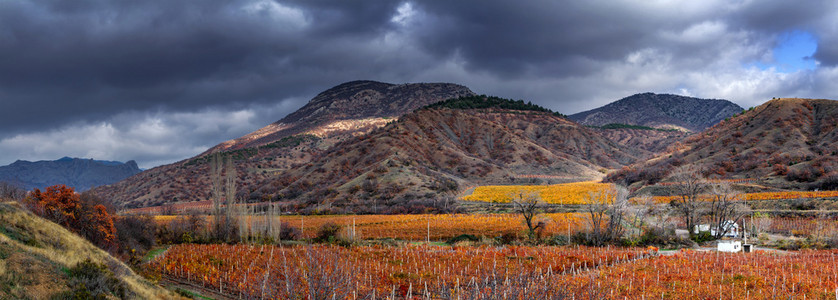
<point>42,260</point>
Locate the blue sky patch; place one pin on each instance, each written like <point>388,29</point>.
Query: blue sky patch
<point>793,53</point>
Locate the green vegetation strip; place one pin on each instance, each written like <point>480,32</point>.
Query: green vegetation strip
<point>629,126</point>
<point>483,101</point>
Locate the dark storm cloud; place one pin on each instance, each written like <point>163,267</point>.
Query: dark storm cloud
<point>69,60</point>
<point>161,80</point>
<point>513,38</point>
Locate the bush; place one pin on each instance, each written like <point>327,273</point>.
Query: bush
<point>135,236</point>
<point>702,236</point>
<point>664,238</point>
<point>89,280</point>
<point>328,232</point>
<point>461,238</point>
<point>558,240</point>
<point>288,232</point>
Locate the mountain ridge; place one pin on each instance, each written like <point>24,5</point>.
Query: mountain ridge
<point>785,143</point>
<point>295,139</point>
<point>79,173</point>
<point>368,103</point>
<point>413,163</point>
<point>665,111</point>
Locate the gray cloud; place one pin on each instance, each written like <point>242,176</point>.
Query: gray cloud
<point>158,80</point>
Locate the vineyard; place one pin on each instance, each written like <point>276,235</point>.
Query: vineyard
<point>431,272</point>
<point>578,192</point>
<point>418,227</point>
<point>800,226</point>
<point>566,193</point>
<point>791,195</point>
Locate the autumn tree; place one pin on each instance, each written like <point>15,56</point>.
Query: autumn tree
<point>98,227</point>
<point>58,203</point>
<point>84,214</point>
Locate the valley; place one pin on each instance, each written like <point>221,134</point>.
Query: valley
<point>430,191</point>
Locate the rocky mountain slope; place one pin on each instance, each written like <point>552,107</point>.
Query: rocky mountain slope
<point>652,141</point>
<point>434,152</point>
<point>784,143</point>
<point>660,111</point>
<point>352,107</point>
<point>82,174</point>
<point>340,113</point>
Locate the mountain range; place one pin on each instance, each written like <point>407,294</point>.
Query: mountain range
<point>340,113</point>
<point>432,152</point>
<point>366,146</point>
<point>80,173</point>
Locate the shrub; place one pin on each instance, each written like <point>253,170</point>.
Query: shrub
<point>781,169</point>
<point>135,235</point>
<point>701,237</point>
<point>288,232</point>
<point>89,280</point>
<point>461,238</point>
<point>327,232</point>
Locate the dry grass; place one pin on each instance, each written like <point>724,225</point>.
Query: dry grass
<point>40,252</point>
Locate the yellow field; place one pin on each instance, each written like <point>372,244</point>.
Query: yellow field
<point>566,193</point>
<point>577,193</point>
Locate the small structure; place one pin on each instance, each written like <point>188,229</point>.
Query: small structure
<point>731,228</point>
<point>729,246</point>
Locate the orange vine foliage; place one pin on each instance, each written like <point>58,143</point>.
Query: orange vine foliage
<point>768,196</point>
<point>422,272</point>
<point>417,227</point>
<point>713,275</point>
<point>305,272</point>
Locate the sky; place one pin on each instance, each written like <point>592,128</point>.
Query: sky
<point>158,81</point>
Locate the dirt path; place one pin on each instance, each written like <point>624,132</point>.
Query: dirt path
<point>202,292</point>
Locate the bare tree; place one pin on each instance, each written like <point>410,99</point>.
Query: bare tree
<point>761,222</point>
<point>528,204</point>
<point>821,227</point>
<point>606,211</point>
<point>216,163</point>
<point>638,214</point>
<point>232,211</point>
<point>10,191</point>
<point>727,207</point>
<point>689,185</point>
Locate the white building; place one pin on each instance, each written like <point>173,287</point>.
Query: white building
<point>731,227</point>
<point>729,246</point>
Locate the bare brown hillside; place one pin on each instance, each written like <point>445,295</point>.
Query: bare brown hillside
<point>784,142</point>
<point>652,141</point>
<point>342,112</point>
<point>433,153</point>
<point>352,107</point>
